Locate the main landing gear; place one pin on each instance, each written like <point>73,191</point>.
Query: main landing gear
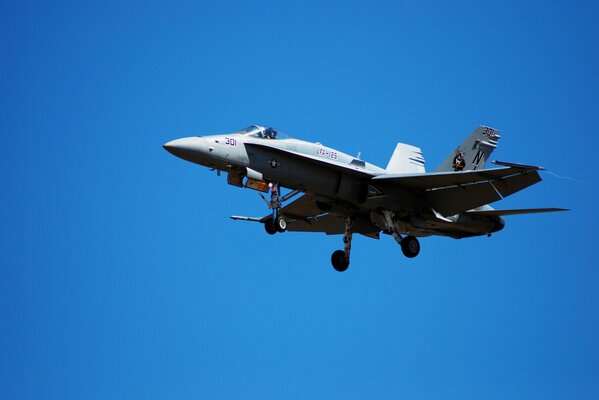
<point>409,244</point>
<point>340,258</point>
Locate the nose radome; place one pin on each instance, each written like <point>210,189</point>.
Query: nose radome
<point>186,148</point>
<point>179,144</point>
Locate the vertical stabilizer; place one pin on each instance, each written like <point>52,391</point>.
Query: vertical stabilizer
<point>406,159</point>
<point>473,153</point>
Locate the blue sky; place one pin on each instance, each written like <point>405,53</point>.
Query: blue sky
<point>123,277</point>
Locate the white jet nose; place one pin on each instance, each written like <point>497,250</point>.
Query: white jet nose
<point>193,148</point>
<point>183,144</point>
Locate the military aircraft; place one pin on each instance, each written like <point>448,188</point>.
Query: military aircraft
<point>341,194</point>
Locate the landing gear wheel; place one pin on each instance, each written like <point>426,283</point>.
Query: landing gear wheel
<point>410,246</point>
<point>269,227</point>
<point>339,261</point>
<point>280,224</point>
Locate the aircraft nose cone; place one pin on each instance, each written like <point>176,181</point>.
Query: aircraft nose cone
<point>189,148</point>
<point>177,145</point>
<point>168,146</point>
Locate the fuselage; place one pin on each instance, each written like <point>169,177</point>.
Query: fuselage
<point>337,180</point>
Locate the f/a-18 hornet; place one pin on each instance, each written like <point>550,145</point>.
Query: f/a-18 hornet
<point>341,194</point>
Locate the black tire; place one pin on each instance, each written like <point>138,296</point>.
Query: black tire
<point>280,224</point>
<point>340,263</point>
<point>410,246</point>
<point>269,227</point>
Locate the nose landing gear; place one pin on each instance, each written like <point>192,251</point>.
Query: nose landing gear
<point>280,224</point>
<point>269,227</point>
<point>277,223</point>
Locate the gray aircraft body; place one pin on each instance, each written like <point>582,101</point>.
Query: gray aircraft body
<point>341,194</point>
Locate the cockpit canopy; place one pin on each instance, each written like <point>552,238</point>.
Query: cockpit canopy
<point>264,132</point>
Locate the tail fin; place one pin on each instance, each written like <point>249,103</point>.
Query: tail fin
<point>406,159</point>
<point>473,153</point>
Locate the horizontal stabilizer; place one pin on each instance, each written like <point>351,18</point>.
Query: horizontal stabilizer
<point>516,212</point>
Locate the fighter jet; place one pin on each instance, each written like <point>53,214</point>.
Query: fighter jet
<point>341,194</point>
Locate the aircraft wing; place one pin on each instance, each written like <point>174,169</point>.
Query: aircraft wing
<point>450,193</point>
<point>303,215</point>
<point>327,223</point>
<point>302,207</point>
<point>330,224</point>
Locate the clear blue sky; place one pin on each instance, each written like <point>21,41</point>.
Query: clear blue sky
<point>122,276</point>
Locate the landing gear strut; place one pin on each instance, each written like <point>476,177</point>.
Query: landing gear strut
<point>340,258</point>
<point>277,223</point>
<point>409,244</point>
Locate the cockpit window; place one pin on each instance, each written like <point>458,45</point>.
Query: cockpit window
<point>263,132</point>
